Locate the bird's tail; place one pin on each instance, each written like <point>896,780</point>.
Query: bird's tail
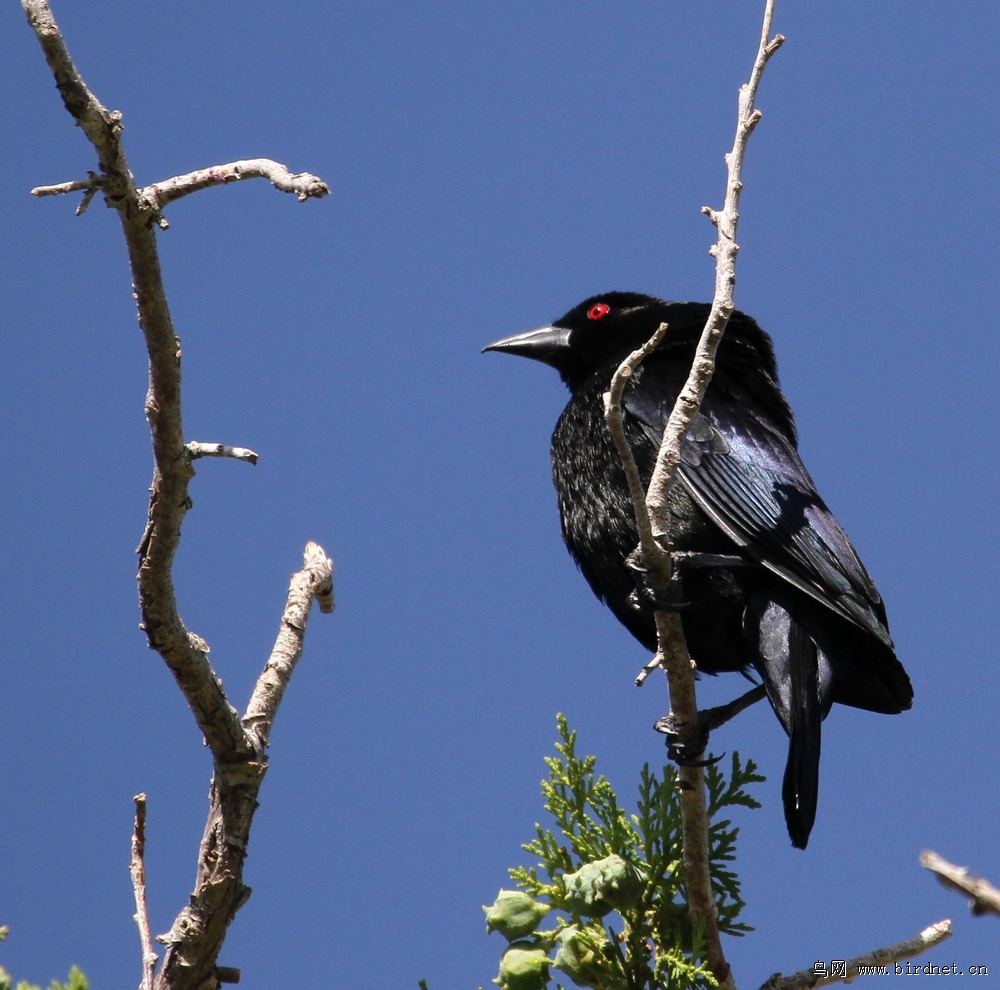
<point>800,789</point>
<point>797,677</point>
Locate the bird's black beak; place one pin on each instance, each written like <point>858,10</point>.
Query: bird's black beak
<point>543,344</point>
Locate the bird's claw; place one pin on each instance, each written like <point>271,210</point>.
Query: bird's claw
<point>687,752</point>
<point>673,599</point>
<point>643,598</point>
<point>646,597</point>
<point>685,761</point>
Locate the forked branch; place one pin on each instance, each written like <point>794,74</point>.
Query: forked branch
<point>651,509</point>
<point>237,743</point>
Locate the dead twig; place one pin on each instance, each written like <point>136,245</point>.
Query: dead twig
<point>876,962</point>
<point>138,871</point>
<point>303,185</point>
<point>651,510</point>
<point>196,449</point>
<point>984,898</point>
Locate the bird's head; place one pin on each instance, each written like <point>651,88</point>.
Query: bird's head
<point>603,330</point>
<point>599,333</point>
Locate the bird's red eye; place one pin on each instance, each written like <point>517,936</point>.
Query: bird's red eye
<point>598,310</point>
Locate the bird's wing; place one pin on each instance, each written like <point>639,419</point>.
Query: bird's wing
<point>747,476</point>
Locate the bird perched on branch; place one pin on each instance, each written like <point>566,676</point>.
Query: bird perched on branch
<point>768,580</point>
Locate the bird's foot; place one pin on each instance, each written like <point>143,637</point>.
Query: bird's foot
<point>646,597</point>
<point>673,599</point>
<point>689,558</point>
<point>689,750</point>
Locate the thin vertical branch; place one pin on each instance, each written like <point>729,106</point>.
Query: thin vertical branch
<point>724,250</point>
<point>138,871</point>
<point>651,511</point>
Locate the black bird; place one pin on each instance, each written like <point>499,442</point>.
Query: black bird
<point>798,606</point>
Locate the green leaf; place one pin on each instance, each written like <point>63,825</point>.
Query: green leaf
<point>616,877</point>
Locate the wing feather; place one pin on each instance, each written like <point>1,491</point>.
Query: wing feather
<point>746,475</point>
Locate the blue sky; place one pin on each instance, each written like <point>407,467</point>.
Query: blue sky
<point>491,165</point>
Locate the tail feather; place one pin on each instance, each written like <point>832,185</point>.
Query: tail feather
<point>797,677</point>
<point>800,789</point>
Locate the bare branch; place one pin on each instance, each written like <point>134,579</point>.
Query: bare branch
<point>806,979</point>
<point>725,250</point>
<point>315,580</point>
<point>984,898</point>
<point>156,196</point>
<point>61,188</point>
<point>197,449</point>
<point>194,941</point>
<point>680,671</point>
<point>652,553</point>
<point>184,652</point>
<point>652,517</point>
<point>613,415</point>
<point>138,871</point>
<point>100,125</point>
<point>672,654</point>
<point>670,635</point>
<point>169,500</point>
<point>90,187</point>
